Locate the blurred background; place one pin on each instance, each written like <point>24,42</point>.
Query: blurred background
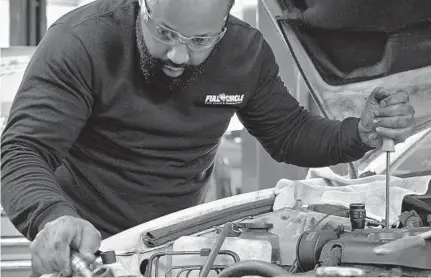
<point>244,9</point>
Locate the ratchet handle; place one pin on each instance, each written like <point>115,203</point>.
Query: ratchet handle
<point>79,265</point>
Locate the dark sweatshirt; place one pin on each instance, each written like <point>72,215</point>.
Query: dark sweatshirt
<point>86,137</point>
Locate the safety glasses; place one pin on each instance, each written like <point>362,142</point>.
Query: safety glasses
<point>172,37</point>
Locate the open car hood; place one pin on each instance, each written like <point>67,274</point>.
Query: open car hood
<point>340,80</point>
<point>349,100</point>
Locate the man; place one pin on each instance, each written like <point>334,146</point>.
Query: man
<point>121,110</point>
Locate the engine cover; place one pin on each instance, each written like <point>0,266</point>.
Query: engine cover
<point>356,249</point>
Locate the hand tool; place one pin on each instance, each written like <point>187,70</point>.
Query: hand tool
<point>402,243</point>
<point>79,265</point>
<point>388,146</point>
<point>81,268</point>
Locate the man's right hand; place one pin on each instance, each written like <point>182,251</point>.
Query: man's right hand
<point>50,250</point>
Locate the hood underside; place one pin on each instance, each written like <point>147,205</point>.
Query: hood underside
<point>343,56</point>
<point>349,100</point>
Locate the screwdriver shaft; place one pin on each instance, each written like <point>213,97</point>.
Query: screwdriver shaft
<point>388,163</point>
<point>388,146</point>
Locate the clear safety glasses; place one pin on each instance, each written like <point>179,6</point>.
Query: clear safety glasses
<point>172,37</point>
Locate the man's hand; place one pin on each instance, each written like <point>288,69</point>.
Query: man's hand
<point>386,114</point>
<point>50,250</point>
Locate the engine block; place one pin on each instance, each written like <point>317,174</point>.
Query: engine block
<point>355,249</point>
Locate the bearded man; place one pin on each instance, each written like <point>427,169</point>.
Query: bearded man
<point>121,110</point>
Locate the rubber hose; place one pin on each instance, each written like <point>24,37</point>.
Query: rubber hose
<point>254,268</point>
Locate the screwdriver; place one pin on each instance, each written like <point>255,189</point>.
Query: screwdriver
<point>388,146</point>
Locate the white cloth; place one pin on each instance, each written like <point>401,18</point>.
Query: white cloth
<point>323,186</point>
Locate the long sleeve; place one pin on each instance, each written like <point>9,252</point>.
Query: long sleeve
<point>51,106</point>
<point>289,133</point>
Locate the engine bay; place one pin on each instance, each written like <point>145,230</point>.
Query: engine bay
<point>313,241</point>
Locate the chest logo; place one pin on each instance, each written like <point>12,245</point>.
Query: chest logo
<point>224,99</point>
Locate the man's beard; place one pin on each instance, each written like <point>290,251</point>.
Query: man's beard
<point>152,67</point>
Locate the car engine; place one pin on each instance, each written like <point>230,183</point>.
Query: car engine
<point>315,241</point>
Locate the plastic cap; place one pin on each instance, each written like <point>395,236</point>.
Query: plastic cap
<point>108,257</point>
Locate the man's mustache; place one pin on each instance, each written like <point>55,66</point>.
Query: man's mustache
<point>171,64</point>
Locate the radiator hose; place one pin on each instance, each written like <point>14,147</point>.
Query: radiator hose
<point>254,268</point>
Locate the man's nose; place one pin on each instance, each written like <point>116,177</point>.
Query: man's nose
<point>179,54</point>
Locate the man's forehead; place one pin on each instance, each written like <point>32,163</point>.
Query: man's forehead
<point>188,4</point>
<point>190,16</point>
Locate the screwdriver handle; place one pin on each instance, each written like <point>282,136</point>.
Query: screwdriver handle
<point>388,145</point>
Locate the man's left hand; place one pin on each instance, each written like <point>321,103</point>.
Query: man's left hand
<point>386,115</point>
